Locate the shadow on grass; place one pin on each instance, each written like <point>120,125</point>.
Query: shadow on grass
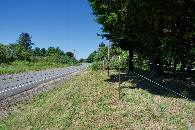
<point>180,82</point>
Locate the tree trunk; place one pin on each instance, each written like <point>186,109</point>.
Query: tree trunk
<point>169,65</point>
<point>183,65</point>
<point>175,64</point>
<point>131,59</point>
<point>189,68</point>
<point>156,66</point>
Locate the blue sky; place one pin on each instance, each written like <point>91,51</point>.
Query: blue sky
<point>66,24</point>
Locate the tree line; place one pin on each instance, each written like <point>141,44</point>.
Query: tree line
<point>22,51</point>
<point>159,31</point>
<point>97,57</point>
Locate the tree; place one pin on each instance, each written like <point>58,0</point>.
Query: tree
<point>3,53</point>
<point>50,51</point>
<point>101,45</point>
<point>115,21</point>
<point>18,52</point>
<point>25,41</point>
<point>81,60</point>
<point>90,58</point>
<point>58,51</point>
<point>42,52</point>
<point>101,54</point>
<point>147,26</point>
<point>70,54</point>
<point>36,51</point>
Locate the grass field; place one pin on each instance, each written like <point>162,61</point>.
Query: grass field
<point>18,67</point>
<point>90,101</point>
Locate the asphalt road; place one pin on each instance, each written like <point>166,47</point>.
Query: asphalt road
<point>16,83</point>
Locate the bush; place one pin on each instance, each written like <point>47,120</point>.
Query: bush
<point>96,66</point>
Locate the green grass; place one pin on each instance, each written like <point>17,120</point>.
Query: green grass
<point>179,81</point>
<point>90,101</point>
<point>24,66</point>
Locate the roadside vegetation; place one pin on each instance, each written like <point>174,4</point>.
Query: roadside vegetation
<point>90,101</point>
<point>21,66</point>
<point>20,57</point>
<point>158,33</point>
<point>153,39</point>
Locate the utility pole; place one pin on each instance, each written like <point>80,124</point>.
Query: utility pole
<point>74,55</point>
<point>108,56</point>
<point>73,52</point>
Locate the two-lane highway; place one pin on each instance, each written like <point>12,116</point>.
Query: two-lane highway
<point>16,83</point>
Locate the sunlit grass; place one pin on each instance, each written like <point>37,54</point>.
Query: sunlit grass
<point>18,67</point>
<point>91,101</point>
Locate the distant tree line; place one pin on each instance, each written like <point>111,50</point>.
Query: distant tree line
<point>22,51</point>
<point>101,54</point>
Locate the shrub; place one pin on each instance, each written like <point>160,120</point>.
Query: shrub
<point>96,66</point>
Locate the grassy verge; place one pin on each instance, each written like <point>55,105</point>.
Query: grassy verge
<point>182,82</point>
<point>18,67</point>
<point>90,101</point>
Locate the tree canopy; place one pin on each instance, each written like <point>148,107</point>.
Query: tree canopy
<point>22,51</point>
<point>25,41</point>
<point>161,29</point>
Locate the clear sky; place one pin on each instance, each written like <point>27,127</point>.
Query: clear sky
<point>66,24</point>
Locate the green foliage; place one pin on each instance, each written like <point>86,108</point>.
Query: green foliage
<point>114,62</point>
<point>24,66</point>
<point>156,29</point>
<point>101,45</point>
<point>19,57</point>
<point>42,52</point>
<point>102,54</point>
<point>96,66</point>
<point>83,60</point>
<point>37,51</point>
<point>90,58</point>
<point>3,56</point>
<point>25,41</point>
<point>70,54</point>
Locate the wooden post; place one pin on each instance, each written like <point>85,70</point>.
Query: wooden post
<point>119,78</point>
<point>108,56</point>
<point>103,66</point>
<point>131,60</point>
